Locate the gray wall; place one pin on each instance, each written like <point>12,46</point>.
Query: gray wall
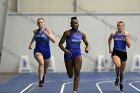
<point>107,6</point>
<point>19,31</point>
<point>3,15</point>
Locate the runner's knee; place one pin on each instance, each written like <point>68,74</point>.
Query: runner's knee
<point>70,74</point>
<point>118,66</point>
<point>77,72</point>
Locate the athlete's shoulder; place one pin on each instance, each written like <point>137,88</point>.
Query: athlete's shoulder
<point>49,30</point>
<point>83,34</point>
<point>113,33</point>
<point>34,31</point>
<point>66,33</point>
<point>126,33</point>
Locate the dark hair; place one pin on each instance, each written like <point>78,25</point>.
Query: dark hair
<point>120,22</point>
<point>73,18</point>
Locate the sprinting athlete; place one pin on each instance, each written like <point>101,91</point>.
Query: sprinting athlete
<point>72,51</point>
<point>42,53</point>
<point>119,55</point>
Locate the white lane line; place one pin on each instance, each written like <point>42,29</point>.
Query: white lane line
<point>64,84</point>
<point>130,84</point>
<point>98,83</point>
<point>32,88</point>
<point>28,87</point>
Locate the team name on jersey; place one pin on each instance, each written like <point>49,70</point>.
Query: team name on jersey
<point>39,36</point>
<point>76,41</point>
<point>119,39</point>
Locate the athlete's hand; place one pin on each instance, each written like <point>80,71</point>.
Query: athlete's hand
<point>68,52</point>
<point>30,47</point>
<point>86,50</point>
<point>47,33</point>
<point>127,35</point>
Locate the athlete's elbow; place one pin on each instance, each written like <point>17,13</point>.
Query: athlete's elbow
<point>128,46</point>
<point>59,44</point>
<point>53,41</point>
<point>87,44</point>
<point>109,39</point>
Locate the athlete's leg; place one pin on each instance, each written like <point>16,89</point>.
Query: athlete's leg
<point>117,63</point>
<point>117,76</point>
<point>69,68</point>
<point>46,65</point>
<point>117,72</point>
<point>77,68</point>
<point>123,64</point>
<point>39,58</point>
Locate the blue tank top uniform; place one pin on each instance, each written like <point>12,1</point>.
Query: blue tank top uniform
<point>73,44</point>
<point>120,46</point>
<point>42,44</point>
<point>119,42</point>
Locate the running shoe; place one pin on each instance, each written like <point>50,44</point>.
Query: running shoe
<point>121,87</point>
<point>40,83</point>
<point>116,81</point>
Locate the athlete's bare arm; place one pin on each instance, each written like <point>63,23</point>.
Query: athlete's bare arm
<point>86,42</point>
<point>49,33</point>
<point>110,41</point>
<point>66,35</point>
<point>32,41</point>
<point>127,39</point>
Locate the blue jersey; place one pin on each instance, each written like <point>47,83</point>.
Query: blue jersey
<point>119,41</point>
<point>73,42</point>
<point>42,40</point>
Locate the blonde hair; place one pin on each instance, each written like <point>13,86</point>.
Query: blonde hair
<point>40,19</point>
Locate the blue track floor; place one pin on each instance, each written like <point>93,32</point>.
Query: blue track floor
<point>59,83</point>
